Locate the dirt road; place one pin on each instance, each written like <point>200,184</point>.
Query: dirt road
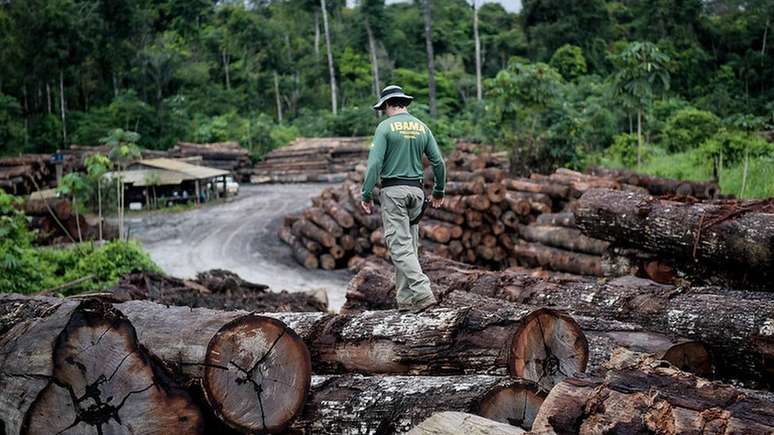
<point>241,236</point>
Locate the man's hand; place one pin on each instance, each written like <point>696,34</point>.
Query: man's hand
<point>367,207</point>
<point>438,202</point>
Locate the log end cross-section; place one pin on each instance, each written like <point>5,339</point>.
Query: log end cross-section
<point>547,347</point>
<point>257,374</point>
<point>103,381</point>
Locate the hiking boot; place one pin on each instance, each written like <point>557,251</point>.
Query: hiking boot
<point>422,306</point>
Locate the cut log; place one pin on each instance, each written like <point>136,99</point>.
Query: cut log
<point>305,228</point>
<point>254,369</point>
<point>538,255</point>
<point>300,252</point>
<point>661,186</point>
<point>495,192</point>
<point>464,188</point>
<point>337,252</point>
<point>452,423</point>
<point>77,367</point>
<point>477,202</point>
<point>551,189</point>
<point>605,336</point>
<point>734,324</point>
<point>353,404</point>
<point>565,238</point>
<point>547,345</point>
<point>324,221</point>
<point>538,202</point>
<point>342,216</point>
<point>643,395</point>
<point>436,231</point>
<point>444,215</point>
<point>564,219</point>
<point>327,262</point>
<point>737,237</point>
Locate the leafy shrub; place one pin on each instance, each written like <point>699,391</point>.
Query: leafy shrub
<point>689,128</point>
<point>108,263</point>
<point>569,61</point>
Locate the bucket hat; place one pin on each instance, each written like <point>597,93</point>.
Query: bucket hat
<point>391,92</point>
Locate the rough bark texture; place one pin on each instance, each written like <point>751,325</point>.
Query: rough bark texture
<point>255,370</point>
<point>545,345</point>
<point>739,325</point>
<point>451,422</point>
<point>77,367</point>
<point>353,404</point>
<point>735,324</point>
<point>605,336</point>
<point>565,238</point>
<point>735,237</point>
<point>643,395</point>
<point>539,255</point>
<point>217,289</point>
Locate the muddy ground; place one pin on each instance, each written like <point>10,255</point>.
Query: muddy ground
<point>239,235</point>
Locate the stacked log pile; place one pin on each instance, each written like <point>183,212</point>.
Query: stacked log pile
<point>728,242</point>
<point>312,160</point>
<point>25,174</point>
<point>56,222</point>
<point>687,327</point>
<point>229,156</point>
<point>487,219</point>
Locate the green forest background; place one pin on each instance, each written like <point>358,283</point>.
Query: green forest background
<point>679,88</point>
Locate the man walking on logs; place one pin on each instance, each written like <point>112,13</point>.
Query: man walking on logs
<point>396,158</point>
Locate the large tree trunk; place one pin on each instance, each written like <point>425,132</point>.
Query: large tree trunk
<point>450,422</point>
<point>331,69</point>
<point>538,255</point>
<point>735,324</point>
<point>733,239</point>
<point>428,15</point>
<point>255,370</point>
<point>605,336</point>
<point>352,404</point>
<point>77,367</point>
<point>546,345</point>
<point>642,395</point>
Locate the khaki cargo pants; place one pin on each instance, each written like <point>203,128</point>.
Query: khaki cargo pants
<point>400,204</point>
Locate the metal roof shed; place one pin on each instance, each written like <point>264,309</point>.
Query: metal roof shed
<point>190,172</point>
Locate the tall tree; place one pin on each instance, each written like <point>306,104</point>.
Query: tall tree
<point>477,41</point>
<point>428,13</point>
<point>641,72</point>
<point>331,69</point>
<point>373,19</point>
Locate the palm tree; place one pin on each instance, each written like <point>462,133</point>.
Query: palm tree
<point>641,71</point>
<point>96,166</point>
<point>123,150</point>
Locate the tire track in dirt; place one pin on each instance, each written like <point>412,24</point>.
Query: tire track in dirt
<point>239,235</point>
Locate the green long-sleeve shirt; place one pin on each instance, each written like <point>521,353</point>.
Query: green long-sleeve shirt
<point>396,152</point>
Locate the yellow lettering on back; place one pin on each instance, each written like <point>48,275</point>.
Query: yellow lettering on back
<point>397,125</point>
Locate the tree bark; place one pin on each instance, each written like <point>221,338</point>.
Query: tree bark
<point>538,255</point>
<point>324,221</point>
<point>546,347</point>
<point>254,369</point>
<point>428,15</point>
<point>305,228</point>
<point>564,219</point>
<point>350,404</point>
<point>301,254</point>
<point>565,238</point>
<point>342,216</point>
<point>735,238</point>
<point>605,336</point>
<point>331,69</point>
<point>450,422</point>
<point>62,107</point>
<point>642,395</point>
<point>277,97</point>
<point>77,367</point>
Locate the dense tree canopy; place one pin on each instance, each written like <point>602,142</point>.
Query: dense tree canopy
<point>256,71</point>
